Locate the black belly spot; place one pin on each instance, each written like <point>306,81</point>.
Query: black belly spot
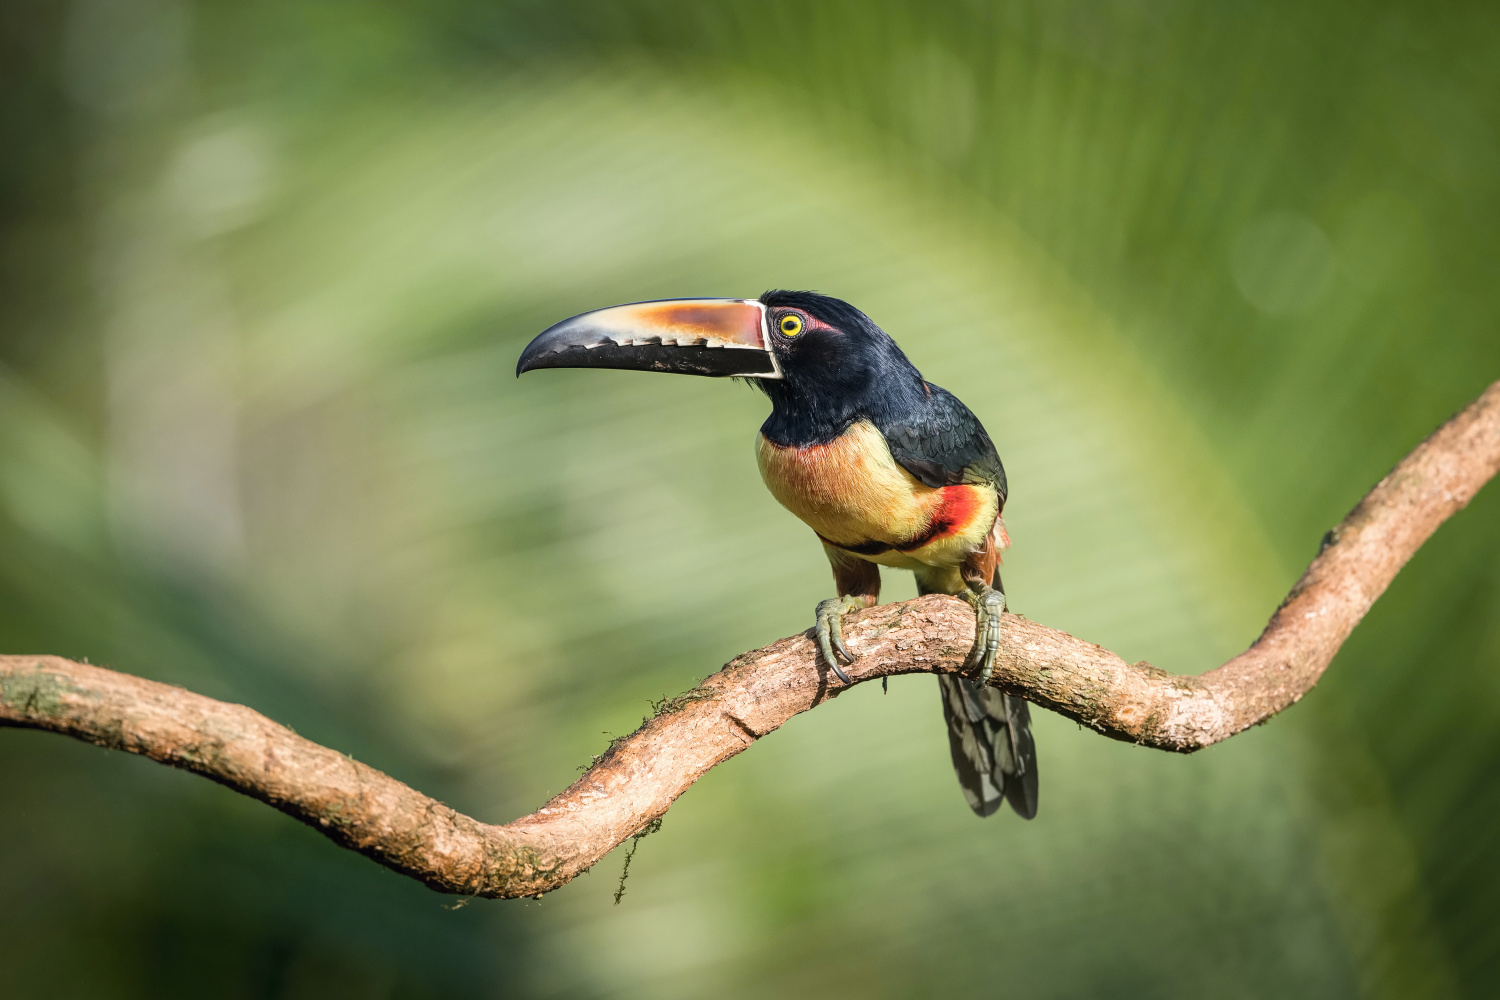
<point>859,548</point>
<point>936,528</point>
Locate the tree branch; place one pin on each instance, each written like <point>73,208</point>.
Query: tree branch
<point>639,777</point>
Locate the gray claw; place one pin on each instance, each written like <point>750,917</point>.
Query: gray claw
<point>989,605</point>
<point>830,633</point>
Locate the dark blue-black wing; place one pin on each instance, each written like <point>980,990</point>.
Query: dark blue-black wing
<point>943,443</point>
<point>989,731</point>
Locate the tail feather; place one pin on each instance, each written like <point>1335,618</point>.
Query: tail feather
<point>1021,782</point>
<point>989,735</point>
<point>989,732</point>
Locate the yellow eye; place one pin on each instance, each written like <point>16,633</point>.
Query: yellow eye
<point>791,325</point>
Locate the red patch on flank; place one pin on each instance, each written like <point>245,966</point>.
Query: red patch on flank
<point>960,504</point>
<point>957,509</point>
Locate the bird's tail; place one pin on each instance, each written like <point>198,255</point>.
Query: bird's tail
<point>989,735</point>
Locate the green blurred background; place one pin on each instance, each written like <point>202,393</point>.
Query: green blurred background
<point>1205,269</point>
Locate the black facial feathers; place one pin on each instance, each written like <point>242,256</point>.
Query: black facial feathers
<point>834,372</point>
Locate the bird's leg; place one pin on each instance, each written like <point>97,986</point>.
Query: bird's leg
<point>988,604</point>
<point>830,630</point>
<point>858,582</point>
<point>979,571</point>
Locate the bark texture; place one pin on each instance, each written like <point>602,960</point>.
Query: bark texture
<point>640,776</point>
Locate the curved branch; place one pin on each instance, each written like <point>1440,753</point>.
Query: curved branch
<point>638,778</point>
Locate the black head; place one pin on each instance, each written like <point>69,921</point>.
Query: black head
<point>836,367</point>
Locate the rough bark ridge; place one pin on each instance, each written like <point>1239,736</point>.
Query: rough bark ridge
<point>636,781</point>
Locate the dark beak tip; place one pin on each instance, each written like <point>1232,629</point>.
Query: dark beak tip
<point>534,356</point>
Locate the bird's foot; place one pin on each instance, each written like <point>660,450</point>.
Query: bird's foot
<point>989,605</point>
<point>830,630</point>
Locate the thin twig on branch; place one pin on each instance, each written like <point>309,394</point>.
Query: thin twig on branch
<point>637,779</point>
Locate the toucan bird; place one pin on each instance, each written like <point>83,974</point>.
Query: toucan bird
<point>887,468</point>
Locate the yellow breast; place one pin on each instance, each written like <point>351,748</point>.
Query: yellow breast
<point>852,492</point>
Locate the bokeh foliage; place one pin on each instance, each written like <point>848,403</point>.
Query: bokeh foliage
<point>1206,270</point>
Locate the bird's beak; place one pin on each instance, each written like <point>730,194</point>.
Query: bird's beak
<point>714,337</point>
